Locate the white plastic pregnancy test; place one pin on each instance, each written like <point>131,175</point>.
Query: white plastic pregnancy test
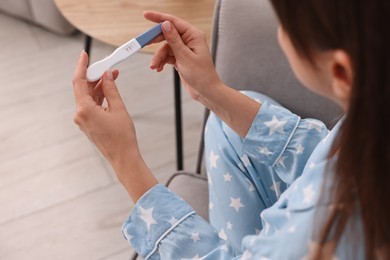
<point>96,70</point>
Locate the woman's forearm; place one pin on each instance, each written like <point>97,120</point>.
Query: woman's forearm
<point>134,174</point>
<point>234,108</point>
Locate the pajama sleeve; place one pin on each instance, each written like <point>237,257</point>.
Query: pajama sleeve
<point>281,139</point>
<point>163,226</point>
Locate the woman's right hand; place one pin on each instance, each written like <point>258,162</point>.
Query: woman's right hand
<point>185,48</point>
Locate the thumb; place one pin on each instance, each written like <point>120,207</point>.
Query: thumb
<point>174,40</point>
<point>111,92</point>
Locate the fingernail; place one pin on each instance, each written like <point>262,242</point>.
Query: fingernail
<point>109,74</point>
<point>167,26</point>
<point>82,52</point>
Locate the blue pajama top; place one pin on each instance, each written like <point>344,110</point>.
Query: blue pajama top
<point>163,226</point>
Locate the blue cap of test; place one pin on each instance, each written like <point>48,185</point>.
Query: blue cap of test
<point>149,35</point>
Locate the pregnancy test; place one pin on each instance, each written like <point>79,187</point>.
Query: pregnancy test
<point>96,70</point>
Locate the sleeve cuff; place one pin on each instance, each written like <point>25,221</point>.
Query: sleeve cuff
<point>270,132</point>
<point>155,214</point>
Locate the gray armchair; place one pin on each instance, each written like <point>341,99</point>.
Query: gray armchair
<point>247,56</point>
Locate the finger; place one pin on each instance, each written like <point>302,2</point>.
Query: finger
<point>80,85</point>
<point>160,56</point>
<point>158,39</point>
<point>111,92</point>
<point>100,100</point>
<point>174,40</point>
<point>170,60</point>
<point>98,95</point>
<point>157,17</point>
<point>115,73</point>
<point>81,67</point>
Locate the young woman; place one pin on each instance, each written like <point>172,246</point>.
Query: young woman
<point>281,187</point>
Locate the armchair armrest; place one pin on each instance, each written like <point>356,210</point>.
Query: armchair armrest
<point>193,188</point>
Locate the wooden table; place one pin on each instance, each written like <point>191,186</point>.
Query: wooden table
<point>117,21</point>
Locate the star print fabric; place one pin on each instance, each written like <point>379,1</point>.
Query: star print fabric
<point>162,226</point>
<point>263,194</point>
<point>282,140</point>
<point>247,176</point>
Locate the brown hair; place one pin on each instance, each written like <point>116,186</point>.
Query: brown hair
<point>362,172</point>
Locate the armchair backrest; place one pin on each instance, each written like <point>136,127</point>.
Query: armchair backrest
<point>248,57</point>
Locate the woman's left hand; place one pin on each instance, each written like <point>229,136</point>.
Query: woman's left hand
<point>110,128</point>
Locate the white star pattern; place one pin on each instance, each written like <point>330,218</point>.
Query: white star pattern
<point>222,234</point>
<point>146,215</point>
<point>228,177</point>
<point>213,160</point>
<point>292,229</point>
<point>300,149</point>
<point>245,160</point>
<point>275,125</point>
<point>236,203</point>
<point>314,124</point>
<point>172,220</point>
<point>312,166</point>
<point>229,225</point>
<point>308,194</point>
<point>211,205</point>
<point>276,187</point>
<point>257,231</point>
<point>281,161</point>
<point>264,150</point>
<point>195,237</point>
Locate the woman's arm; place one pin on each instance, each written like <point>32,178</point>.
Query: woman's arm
<point>110,128</point>
<point>186,48</point>
<point>158,212</point>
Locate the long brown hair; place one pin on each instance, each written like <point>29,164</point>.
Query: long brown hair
<point>362,173</point>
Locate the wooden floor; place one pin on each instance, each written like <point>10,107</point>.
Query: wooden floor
<point>59,199</point>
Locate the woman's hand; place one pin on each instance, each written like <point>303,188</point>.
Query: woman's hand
<point>110,128</point>
<point>185,48</point>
